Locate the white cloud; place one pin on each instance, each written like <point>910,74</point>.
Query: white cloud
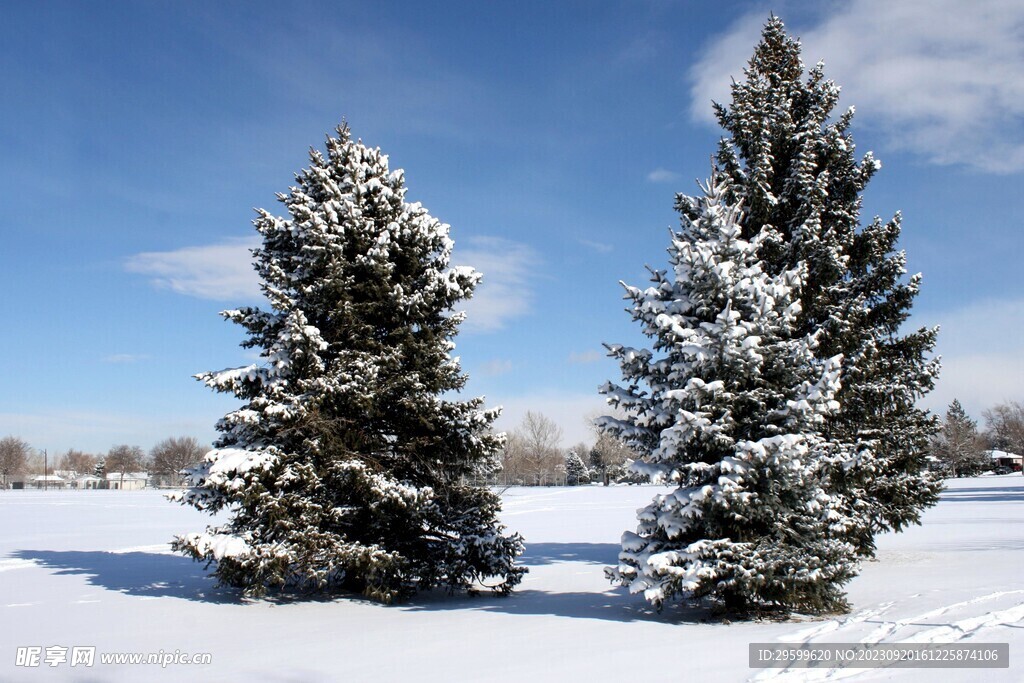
<point>506,291</point>
<point>940,79</point>
<point>982,348</point>
<point>599,247</point>
<point>494,368</point>
<point>661,175</point>
<point>222,272</point>
<point>583,357</point>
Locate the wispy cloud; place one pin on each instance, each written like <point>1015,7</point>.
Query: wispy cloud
<point>584,357</point>
<point>642,49</point>
<point>506,291</point>
<point>494,368</point>
<point>125,358</point>
<point>940,80</point>
<point>222,272</point>
<point>599,247</point>
<point>662,175</point>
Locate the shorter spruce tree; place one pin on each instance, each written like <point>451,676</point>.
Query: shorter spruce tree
<point>728,408</point>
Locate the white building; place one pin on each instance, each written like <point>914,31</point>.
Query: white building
<point>88,481</point>
<point>49,481</point>
<point>127,481</point>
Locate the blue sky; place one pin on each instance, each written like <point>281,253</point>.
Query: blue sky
<point>552,136</point>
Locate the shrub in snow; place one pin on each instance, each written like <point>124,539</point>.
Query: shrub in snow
<point>792,164</point>
<point>729,408</point>
<point>346,465</point>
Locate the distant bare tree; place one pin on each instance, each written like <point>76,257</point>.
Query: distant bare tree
<point>513,462</point>
<point>608,456</point>
<point>1006,427</point>
<point>541,437</point>
<point>37,462</point>
<point>13,457</point>
<point>124,458</point>
<point>174,454</point>
<point>78,462</point>
<point>532,454</point>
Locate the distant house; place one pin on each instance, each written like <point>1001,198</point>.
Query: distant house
<point>87,481</point>
<point>127,481</point>
<point>16,481</point>
<point>1004,459</point>
<point>49,481</point>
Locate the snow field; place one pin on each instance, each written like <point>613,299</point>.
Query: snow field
<point>93,568</point>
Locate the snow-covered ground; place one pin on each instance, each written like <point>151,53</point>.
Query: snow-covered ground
<point>92,568</point>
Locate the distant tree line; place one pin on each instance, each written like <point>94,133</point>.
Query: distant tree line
<point>533,456</point>
<point>163,463</point>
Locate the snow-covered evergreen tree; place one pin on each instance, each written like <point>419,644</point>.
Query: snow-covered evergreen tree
<point>794,168</point>
<point>575,470</point>
<point>598,470</point>
<point>729,407</point>
<point>346,465</point>
<point>958,446</point>
<point>625,473</point>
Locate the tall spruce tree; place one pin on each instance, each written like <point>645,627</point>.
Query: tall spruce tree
<point>730,407</point>
<point>794,169</point>
<point>346,465</point>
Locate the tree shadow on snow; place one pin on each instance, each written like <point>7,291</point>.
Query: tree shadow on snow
<point>613,604</point>
<point>1007,494</point>
<point>538,554</point>
<point>151,575</point>
<point>160,575</point>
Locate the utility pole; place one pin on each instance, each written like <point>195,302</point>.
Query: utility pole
<point>45,484</point>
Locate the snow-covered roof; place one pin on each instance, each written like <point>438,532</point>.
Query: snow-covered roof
<point>47,477</point>
<point>118,476</point>
<point>88,477</point>
<point>997,455</point>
